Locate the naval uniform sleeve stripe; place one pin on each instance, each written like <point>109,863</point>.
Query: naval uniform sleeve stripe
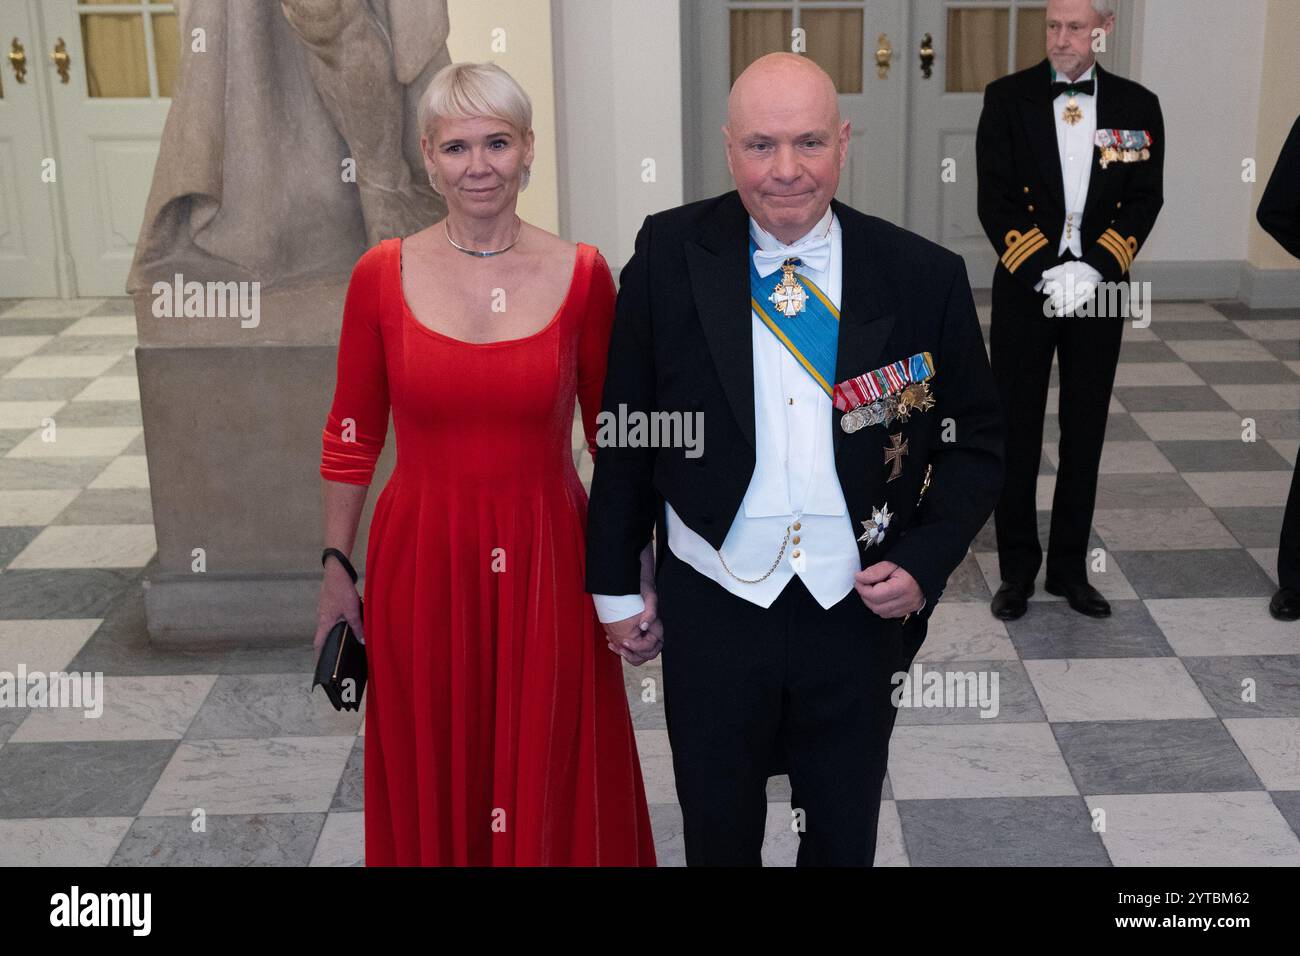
<point>1014,244</point>
<point>1024,251</point>
<point>1117,250</point>
<point>1120,245</point>
<point>1112,242</point>
<point>1118,258</point>
<point>1013,250</point>
<point>1130,247</point>
<point>1117,239</point>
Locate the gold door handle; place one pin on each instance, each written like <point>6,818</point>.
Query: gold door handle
<point>61,59</point>
<point>18,60</point>
<point>927,56</point>
<point>884,54</point>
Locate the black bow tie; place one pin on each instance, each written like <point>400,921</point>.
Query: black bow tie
<point>1086,87</point>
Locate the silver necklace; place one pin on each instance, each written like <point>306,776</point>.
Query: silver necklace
<point>483,254</point>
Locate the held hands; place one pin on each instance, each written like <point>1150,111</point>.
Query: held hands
<point>888,590</point>
<point>639,638</point>
<point>1070,285</point>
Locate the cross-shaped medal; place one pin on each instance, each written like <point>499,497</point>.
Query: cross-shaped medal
<point>790,296</point>
<point>1072,114</point>
<point>894,455</point>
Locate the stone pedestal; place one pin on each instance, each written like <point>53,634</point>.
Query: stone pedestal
<point>232,428</point>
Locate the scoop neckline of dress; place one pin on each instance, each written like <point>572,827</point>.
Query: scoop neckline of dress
<point>410,315</point>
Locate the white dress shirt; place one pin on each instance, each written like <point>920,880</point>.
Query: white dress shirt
<point>794,479</point>
<point>1076,147</point>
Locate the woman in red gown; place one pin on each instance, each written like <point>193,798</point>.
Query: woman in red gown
<point>497,726</point>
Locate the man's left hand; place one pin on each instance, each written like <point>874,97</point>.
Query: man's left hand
<point>888,590</point>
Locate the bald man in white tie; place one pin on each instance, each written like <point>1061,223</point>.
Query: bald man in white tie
<point>852,449</point>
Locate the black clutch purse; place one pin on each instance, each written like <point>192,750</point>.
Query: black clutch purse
<point>341,667</point>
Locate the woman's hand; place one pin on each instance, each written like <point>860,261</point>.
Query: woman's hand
<point>338,601</point>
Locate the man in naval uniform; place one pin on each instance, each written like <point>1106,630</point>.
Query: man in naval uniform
<point>852,449</point>
<point>1279,215</point>
<point>1069,160</point>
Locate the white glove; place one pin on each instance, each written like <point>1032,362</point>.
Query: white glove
<point>1070,285</point>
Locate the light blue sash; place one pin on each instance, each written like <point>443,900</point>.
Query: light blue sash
<point>812,336</point>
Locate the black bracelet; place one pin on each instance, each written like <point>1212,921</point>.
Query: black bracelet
<point>343,559</point>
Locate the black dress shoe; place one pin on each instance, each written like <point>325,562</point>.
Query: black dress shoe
<point>1011,601</point>
<point>1285,605</point>
<point>1081,595</point>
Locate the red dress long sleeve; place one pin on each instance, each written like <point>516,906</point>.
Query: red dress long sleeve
<point>497,725</point>
<point>358,419</point>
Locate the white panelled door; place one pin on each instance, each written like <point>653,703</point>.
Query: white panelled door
<point>843,37</point>
<point>100,74</point>
<point>108,116</point>
<point>974,42</point>
<point>27,240</point>
<point>909,125</point>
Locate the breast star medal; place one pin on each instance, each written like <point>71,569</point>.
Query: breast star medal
<point>875,528</point>
<point>894,453</point>
<point>1072,114</point>
<point>790,297</point>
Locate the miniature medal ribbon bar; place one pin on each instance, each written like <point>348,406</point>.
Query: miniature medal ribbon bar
<point>1123,145</point>
<point>891,391</point>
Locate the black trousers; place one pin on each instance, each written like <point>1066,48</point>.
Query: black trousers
<point>751,691</point>
<point>1022,341</point>
<point>1288,554</point>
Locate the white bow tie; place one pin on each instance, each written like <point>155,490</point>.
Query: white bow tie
<point>815,253</point>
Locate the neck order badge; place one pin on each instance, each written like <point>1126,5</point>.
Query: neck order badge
<point>1073,114</point>
<point>789,297</point>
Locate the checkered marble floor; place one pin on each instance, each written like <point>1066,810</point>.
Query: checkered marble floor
<point>1176,722</point>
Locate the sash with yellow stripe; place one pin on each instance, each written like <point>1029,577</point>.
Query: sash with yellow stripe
<point>812,336</point>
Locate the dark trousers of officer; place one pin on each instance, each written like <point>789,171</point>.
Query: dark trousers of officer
<point>1288,554</point>
<point>749,691</point>
<point>1022,341</point>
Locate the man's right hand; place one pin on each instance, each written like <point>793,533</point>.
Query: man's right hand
<point>638,638</point>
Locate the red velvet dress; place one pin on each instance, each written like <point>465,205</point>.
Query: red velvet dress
<point>497,727</point>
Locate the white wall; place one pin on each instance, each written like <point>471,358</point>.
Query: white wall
<point>1202,58</point>
<point>619,101</point>
<point>527,57</point>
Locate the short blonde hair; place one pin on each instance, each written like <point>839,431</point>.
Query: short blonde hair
<point>472,90</point>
